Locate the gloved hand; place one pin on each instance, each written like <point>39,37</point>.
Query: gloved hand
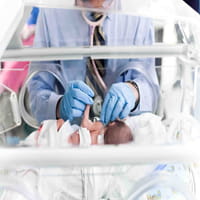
<point>118,103</point>
<point>76,97</point>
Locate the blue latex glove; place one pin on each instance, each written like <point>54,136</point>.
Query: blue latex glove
<point>76,97</point>
<point>118,103</point>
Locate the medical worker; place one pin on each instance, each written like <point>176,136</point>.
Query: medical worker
<point>61,89</point>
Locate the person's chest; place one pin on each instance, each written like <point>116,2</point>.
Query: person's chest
<point>71,30</point>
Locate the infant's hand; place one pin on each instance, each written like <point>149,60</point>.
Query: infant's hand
<point>86,123</point>
<point>93,127</point>
<point>97,128</point>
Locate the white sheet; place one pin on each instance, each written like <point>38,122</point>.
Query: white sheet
<point>183,129</point>
<point>74,183</point>
<point>48,136</point>
<point>147,128</point>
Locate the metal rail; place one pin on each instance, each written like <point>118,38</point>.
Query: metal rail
<point>98,156</point>
<point>98,52</point>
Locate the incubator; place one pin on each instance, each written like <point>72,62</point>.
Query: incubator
<point>159,41</point>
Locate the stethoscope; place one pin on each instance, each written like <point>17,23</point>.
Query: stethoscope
<point>98,100</point>
<point>93,25</point>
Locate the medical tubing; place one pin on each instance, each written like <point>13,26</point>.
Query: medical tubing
<point>25,115</point>
<point>159,180</point>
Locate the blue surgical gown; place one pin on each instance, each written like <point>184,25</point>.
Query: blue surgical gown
<point>67,28</point>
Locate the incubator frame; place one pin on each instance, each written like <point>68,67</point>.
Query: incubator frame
<point>11,50</point>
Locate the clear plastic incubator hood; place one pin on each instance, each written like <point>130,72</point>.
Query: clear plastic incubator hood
<point>155,43</point>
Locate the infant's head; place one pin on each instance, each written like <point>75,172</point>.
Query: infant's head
<point>117,132</point>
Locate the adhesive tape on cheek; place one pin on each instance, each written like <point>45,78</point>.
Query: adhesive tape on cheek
<point>85,138</point>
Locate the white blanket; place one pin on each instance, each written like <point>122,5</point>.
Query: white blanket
<point>95,182</point>
<point>48,135</point>
<point>183,129</point>
<point>147,128</point>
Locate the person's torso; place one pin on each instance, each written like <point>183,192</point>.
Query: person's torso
<point>67,28</point>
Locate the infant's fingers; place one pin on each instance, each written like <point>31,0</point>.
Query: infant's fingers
<point>86,123</point>
<point>95,132</point>
<point>97,126</point>
<point>86,112</point>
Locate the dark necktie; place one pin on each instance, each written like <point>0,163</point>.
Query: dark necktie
<point>96,68</point>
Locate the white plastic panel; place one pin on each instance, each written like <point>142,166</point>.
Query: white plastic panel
<point>171,9</point>
<point>11,13</point>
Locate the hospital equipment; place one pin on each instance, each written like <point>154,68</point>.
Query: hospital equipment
<point>177,60</point>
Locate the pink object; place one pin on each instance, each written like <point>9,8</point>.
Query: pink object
<point>14,73</point>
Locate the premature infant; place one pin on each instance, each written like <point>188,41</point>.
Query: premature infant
<point>56,133</point>
<point>116,132</point>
